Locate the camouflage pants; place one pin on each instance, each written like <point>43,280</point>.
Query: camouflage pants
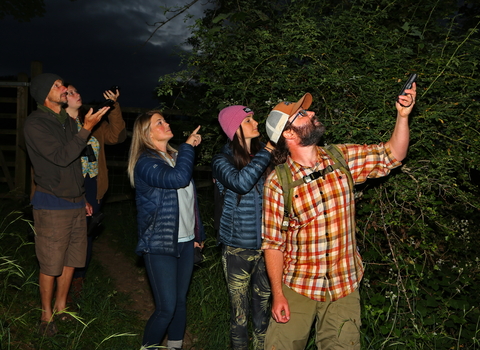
<point>249,289</point>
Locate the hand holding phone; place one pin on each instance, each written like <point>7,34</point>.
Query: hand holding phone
<point>106,103</point>
<point>408,84</point>
<point>112,93</point>
<point>114,88</point>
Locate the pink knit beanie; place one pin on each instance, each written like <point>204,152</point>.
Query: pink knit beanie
<point>231,117</point>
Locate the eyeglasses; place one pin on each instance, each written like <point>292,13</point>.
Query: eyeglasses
<point>301,112</point>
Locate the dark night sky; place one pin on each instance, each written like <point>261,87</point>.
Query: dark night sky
<point>95,44</point>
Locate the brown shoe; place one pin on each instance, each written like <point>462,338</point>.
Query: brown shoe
<point>47,329</point>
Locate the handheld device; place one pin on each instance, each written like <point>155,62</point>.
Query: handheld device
<point>106,103</point>
<point>114,88</point>
<point>408,84</point>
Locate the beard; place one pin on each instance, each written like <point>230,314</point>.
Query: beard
<point>61,100</point>
<point>309,134</point>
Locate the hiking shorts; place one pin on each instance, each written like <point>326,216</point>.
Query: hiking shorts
<point>60,239</point>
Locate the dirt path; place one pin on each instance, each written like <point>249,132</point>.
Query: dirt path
<point>128,278</point>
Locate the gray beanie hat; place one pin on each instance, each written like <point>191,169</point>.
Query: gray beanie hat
<point>41,86</point>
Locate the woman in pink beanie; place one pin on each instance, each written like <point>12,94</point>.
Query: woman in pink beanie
<point>239,172</point>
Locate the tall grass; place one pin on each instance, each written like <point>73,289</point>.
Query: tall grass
<point>101,322</point>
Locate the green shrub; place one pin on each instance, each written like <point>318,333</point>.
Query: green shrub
<point>418,228</point>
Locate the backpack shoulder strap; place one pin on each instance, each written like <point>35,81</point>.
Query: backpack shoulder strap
<point>285,179</point>
<point>337,156</point>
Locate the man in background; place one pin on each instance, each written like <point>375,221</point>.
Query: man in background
<point>54,146</point>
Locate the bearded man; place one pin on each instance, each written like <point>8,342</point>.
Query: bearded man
<point>312,261</point>
<point>54,146</point>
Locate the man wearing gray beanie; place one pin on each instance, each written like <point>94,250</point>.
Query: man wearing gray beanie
<point>54,146</point>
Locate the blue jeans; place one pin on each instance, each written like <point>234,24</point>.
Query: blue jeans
<point>169,278</point>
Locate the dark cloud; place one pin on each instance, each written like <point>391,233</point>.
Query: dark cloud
<point>97,43</point>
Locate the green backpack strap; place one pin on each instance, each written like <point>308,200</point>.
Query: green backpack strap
<point>285,179</point>
<point>337,156</point>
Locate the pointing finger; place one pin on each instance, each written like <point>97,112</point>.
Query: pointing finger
<point>196,130</point>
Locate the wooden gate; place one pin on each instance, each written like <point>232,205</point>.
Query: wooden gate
<point>13,155</point>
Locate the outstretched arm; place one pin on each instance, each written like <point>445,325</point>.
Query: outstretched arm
<point>401,133</point>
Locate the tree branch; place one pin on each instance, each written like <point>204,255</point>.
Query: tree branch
<point>159,25</point>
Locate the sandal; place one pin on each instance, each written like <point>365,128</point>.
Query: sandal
<point>47,329</point>
<point>65,317</point>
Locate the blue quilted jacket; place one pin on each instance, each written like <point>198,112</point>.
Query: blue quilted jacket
<point>156,184</point>
<point>240,223</point>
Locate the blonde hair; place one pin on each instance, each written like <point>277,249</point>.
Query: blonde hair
<point>141,142</point>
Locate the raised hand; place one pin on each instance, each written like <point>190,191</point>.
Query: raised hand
<point>194,139</point>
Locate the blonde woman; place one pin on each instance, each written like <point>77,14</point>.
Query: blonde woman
<point>169,225</point>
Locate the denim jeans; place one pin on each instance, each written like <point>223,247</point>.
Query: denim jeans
<point>249,289</point>
<point>169,278</point>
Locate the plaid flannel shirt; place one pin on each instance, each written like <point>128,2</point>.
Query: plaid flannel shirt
<point>319,247</point>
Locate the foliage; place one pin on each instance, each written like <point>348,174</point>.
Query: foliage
<point>22,10</point>
<point>418,228</point>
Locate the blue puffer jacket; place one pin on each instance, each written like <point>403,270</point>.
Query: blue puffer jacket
<point>156,184</point>
<point>240,223</point>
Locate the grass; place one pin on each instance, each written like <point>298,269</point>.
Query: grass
<point>104,321</point>
<point>208,305</point>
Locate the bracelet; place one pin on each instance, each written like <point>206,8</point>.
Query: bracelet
<point>268,148</point>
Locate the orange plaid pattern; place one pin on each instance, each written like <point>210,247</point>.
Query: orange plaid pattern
<point>319,246</point>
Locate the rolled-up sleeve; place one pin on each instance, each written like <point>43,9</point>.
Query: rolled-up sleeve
<point>369,161</point>
<point>273,208</point>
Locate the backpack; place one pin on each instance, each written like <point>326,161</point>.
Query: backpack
<point>285,179</point>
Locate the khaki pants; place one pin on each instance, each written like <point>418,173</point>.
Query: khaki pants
<point>337,323</point>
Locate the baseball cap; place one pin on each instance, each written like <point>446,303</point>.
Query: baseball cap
<point>278,117</point>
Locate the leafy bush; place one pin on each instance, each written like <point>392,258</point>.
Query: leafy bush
<point>418,229</point>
